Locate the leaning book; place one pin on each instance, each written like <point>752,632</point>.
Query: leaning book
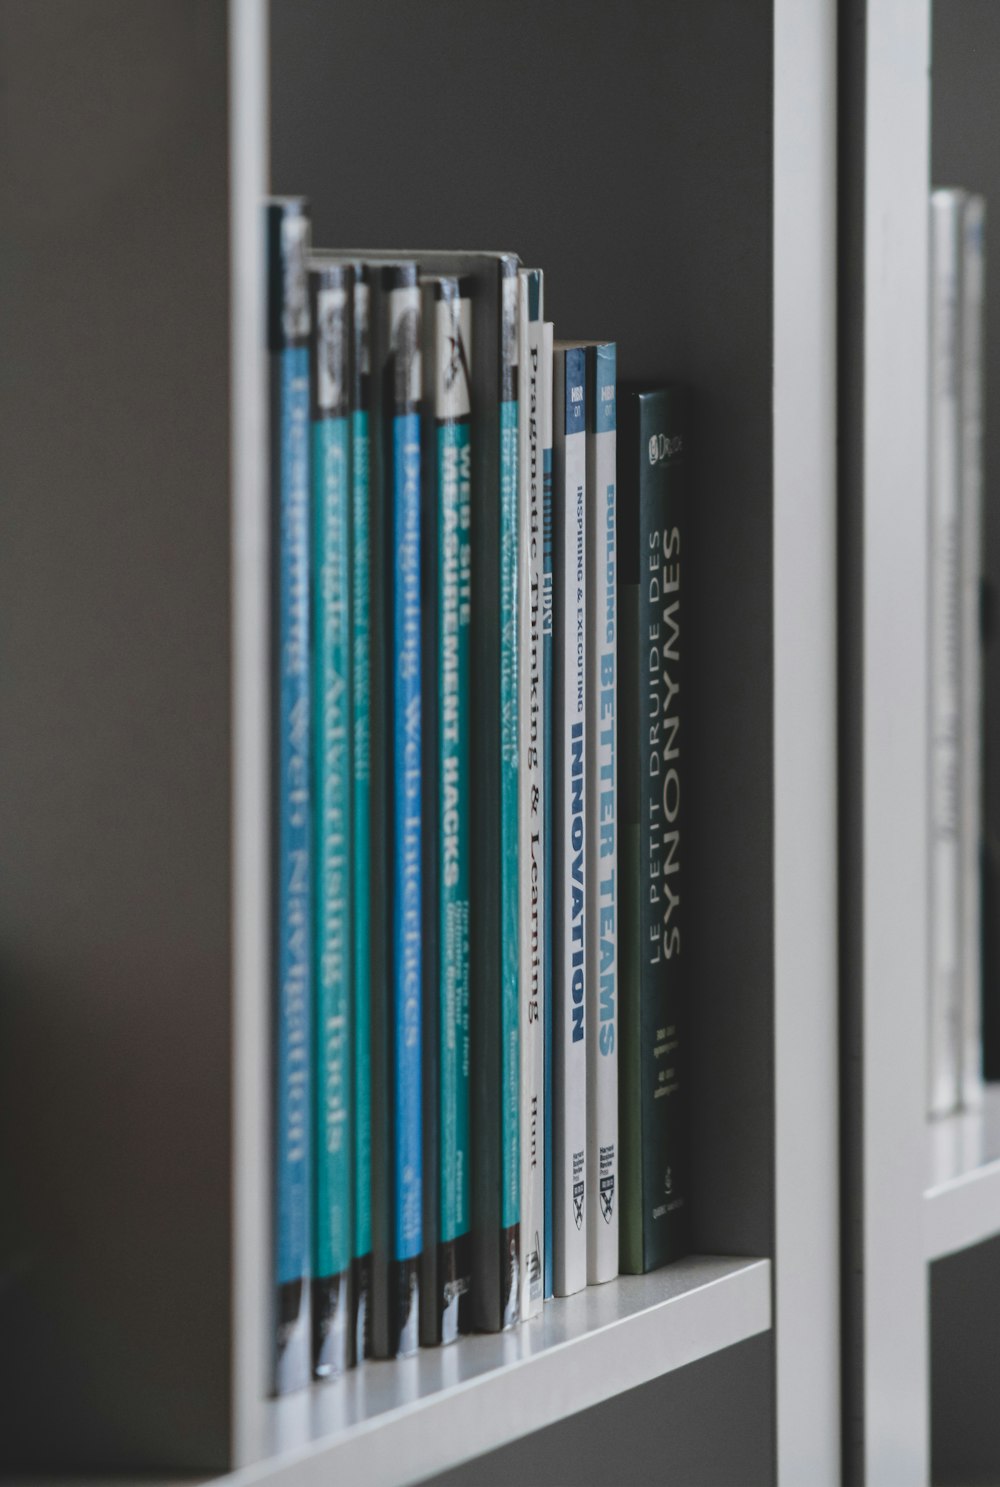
<point>654,645</point>
<point>287,229</point>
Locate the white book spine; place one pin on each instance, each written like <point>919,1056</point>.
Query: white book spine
<point>569,815</point>
<point>602,818</point>
<point>945,625</point>
<point>531,797</point>
<point>970,831</point>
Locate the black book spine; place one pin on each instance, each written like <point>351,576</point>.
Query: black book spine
<point>654,647</point>
<point>494,1244</point>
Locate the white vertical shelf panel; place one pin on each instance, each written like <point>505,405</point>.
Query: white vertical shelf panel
<point>248,113</point>
<point>807,1294</point>
<point>894,734</point>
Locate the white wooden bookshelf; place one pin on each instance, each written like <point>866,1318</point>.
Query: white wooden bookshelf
<point>962,1197</point>
<point>146,1300</point>
<point>401,1422</point>
<point>921,1197</point>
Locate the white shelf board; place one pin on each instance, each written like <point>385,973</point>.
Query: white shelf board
<point>399,1422</point>
<point>962,1199</point>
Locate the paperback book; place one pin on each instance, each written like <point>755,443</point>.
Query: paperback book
<point>446,1282</point>
<point>569,700</point>
<point>287,236</point>
<point>548,733</point>
<point>653,649</point>
<point>361,805</point>
<point>395,802</point>
<point>602,806</point>
<point>331,292</point>
<point>531,722</point>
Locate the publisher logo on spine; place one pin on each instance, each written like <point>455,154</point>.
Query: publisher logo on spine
<point>661,447</point>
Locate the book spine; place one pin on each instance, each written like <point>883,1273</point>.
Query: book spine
<point>652,660</point>
<point>453,602</point>
<point>569,805</point>
<point>361,1265</point>
<point>944,1046</point>
<point>548,726</point>
<point>432,949</point>
<point>331,294</point>
<point>973,292</point>
<point>288,331</point>
<point>532,785</point>
<point>602,807</point>
<point>510,1149</point>
<point>405,826</point>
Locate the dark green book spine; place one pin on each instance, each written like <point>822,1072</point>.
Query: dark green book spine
<point>654,646</point>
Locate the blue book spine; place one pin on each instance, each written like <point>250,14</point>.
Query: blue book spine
<point>331,295</point>
<point>288,329</point>
<point>450,395</point>
<point>407,905</point>
<point>548,723</point>
<point>361,1267</point>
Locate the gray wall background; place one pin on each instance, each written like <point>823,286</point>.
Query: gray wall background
<point>114,735</point>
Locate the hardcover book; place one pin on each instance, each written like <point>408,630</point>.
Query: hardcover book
<point>569,701</point>
<point>531,724</point>
<point>331,291</point>
<point>287,230</point>
<point>653,647</point>
<point>602,807</point>
<point>446,1281</point>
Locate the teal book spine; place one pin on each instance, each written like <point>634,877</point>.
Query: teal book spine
<point>454,606</point>
<point>331,303</point>
<point>361,1254</point>
<point>446,1283</point>
<point>287,237</point>
<point>404,740</point>
<point>510,1146</point>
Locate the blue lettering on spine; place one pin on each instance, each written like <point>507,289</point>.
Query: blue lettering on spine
<point>577,983</point>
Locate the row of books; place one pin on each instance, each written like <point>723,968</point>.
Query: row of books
<point>479,826</point>
<point>957,263</point>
